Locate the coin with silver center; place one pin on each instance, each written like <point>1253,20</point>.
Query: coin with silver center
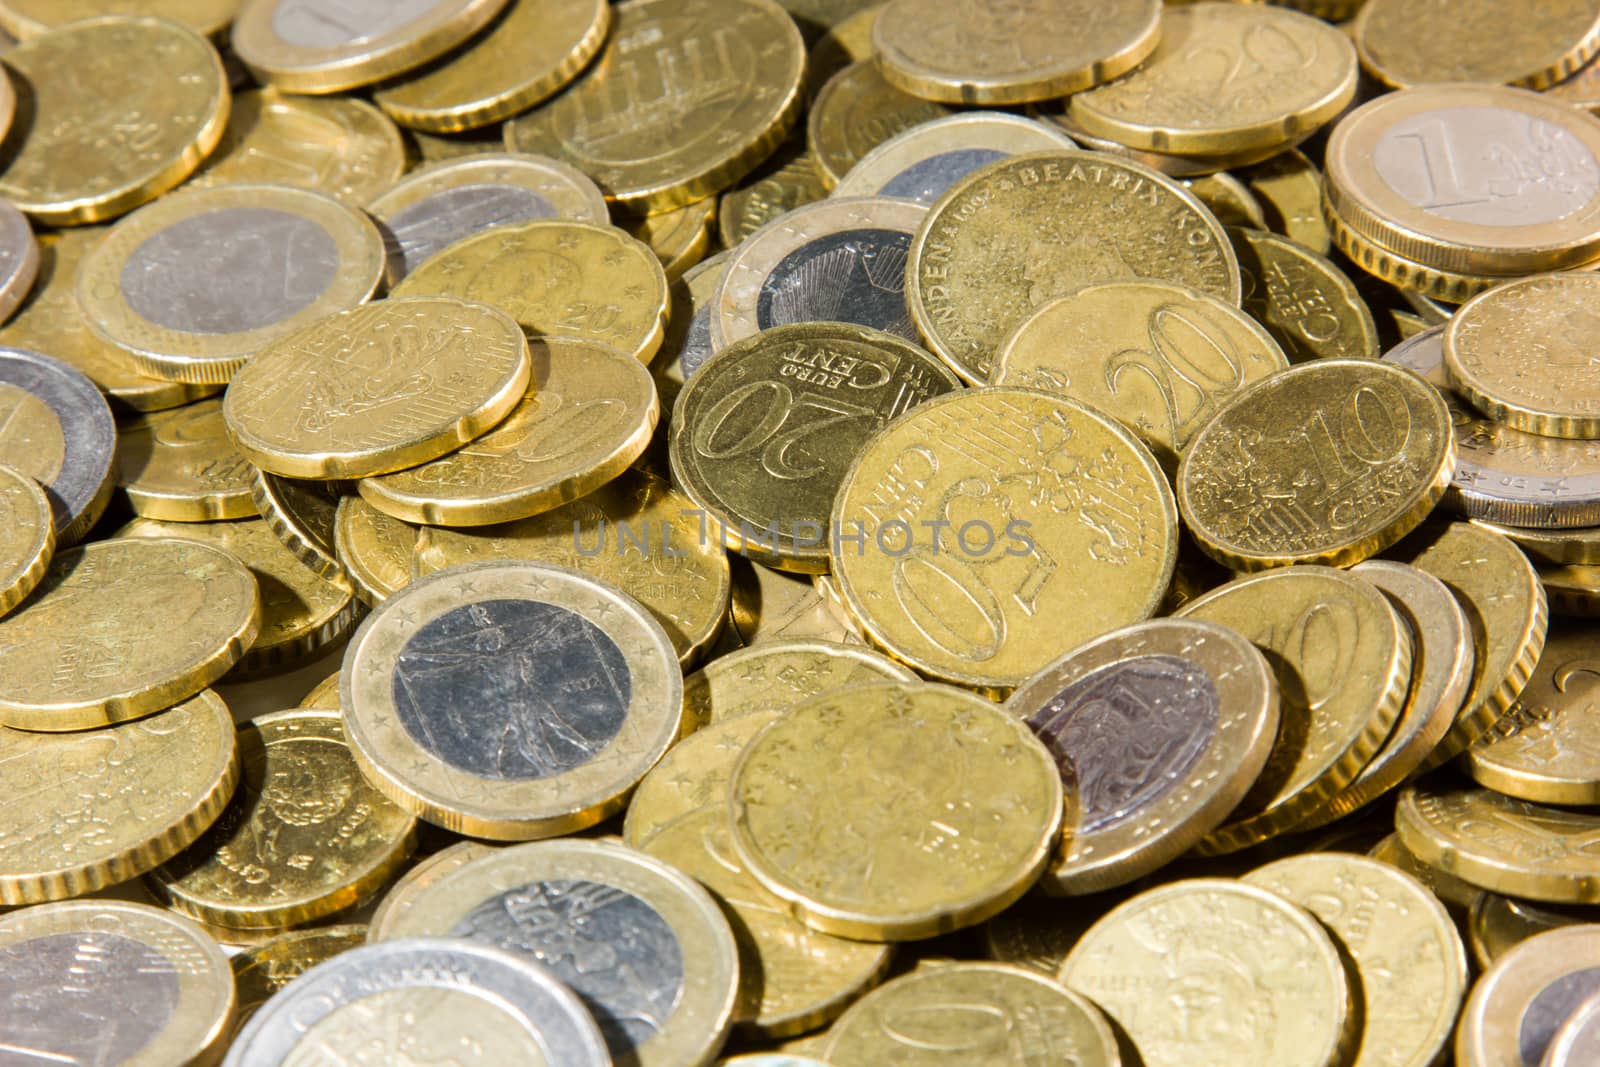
<point>422,1000</point>
<point>924,161</point>
<point>55,427</point>
<point>19,258</point>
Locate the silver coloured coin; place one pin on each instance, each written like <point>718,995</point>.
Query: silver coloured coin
<point>19,258</point>
<point>688,340</point>
<point>924,161</point>
<point>1577,1042</point>
<point>56,428</point>
<point>423,1000</point>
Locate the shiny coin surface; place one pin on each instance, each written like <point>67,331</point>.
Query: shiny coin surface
<point>179,465</point>
<point>768,605</point>
<point>30,18</point>
<point>19,258</point>
<point>158,989</point>
<point>260,972</point>
<point>530,52</point>
<point>123,109</point>
<point>658,129</point>
<point>763,434</point>
<point>924,161</point>
<point>1329,462</point>
<point>994,248</point>
<point>396,383</point>
<point>1162,728</point>
<point>1577,1042</point>
<point>974,54</point>
<point>1160,358</point>
<point>1519,1004</point>
<point>1211,937</point>
<point>510,700</point>
<point>27,536</point>
<point>307,47</point>
<point>305,835</point>
<point>423,998</point>
<point>1579,545</point>
<point>855,111</point>
<point>180,765</point>
<point>442,203</point>
<point>779,675</point>
<point>121,629</point>
<point>1404,44</point>
<point>1304,301</point>
<point>1212,86</point>
<point>644,945</point>
<point>687,343</point>
<point>178,284</point>
<point>1456,894</point>
<point>558,278</point>
<point>1497,924</point>
<point>679,237</point>
<point>58,431</point>
<point>967,533</point>
<point>301,514</point>
<point>1581,89</point>
<point>397,899</point>
<point>374,549</point>
<point>788,179</point>
<point>861,775</point>
<point>1174,166</point>
<point>1289,188</point>
<point>1572,591</point>
<point>693,776</point>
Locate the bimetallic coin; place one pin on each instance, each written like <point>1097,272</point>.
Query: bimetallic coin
<point>55,427</point>
<point>1497,924</point>
<point>1329,462</point>
<point>1304,301</point>
<point>421,999</point>
<point>854,112</point>
<point>688,338</point>
<point>1404,44</point>
<point>302,515</point>
<point>777,676</point>
<point>510,700</point>
<point>685,99</point>
<point>395,384</point>
<point>693,776</point>
<point>305,46</point>
<point>1520,1003</point>
<point>927,159</point>
<point>122,109</point>
<point>260,972</point>
<point>1252,953</point>
<point>179,283</point>
<point>1162,728</point>
<point>763,434</point>
<point>179,465</point>
<point>645,947</point>
<point>373,548</point>
<point>23,19</point>
<point>398,898</point>
<point>440,204</point>
<point>787,180</point>
<point>1577,1042</point>
<point>27,537</point>
<point>121,629</point>
<point>998,245</point>
<point>137,794</point>
<point>101,981</point>
<point>922,809</point>
<point>19,258</point>
<point>679,237</point>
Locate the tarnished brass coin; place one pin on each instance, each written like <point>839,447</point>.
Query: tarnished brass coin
<point>768,605</point>
<point>377,388</point>
<point>972,534</point>
<point>325,694</point>
<point>1289,187</point>
<point>305,835</point>
<point>510,700</point>
<point>998,245</point>
<point>1160,358</point>
<point>1411,961</point>
<point>854,112</point>
<point>23,19</point>
<point>788,179</point>
<point>301,513</point>
<point>1520,1002</point>
<point>1329,462</point>
<point>679,237</point>
<point>56,428</point>
<point>1497,924</point>
<point>1057,113</point>
<point>1581,89</point>
<point>1226,78</point>
<point>1255,955</point>
<point>374,548</point>
<point>1455,893</point>
<point>1343,659</point>
<point>694,774</point>
<point>398,898</point>
<point>179,284</point>
<point>1304,301</point>
<point>534,49</point>
<point>558,278</point>
<point>121,629</point>
<point>976,54</point>
<point>260,972</point>
<point>862,776</point>
<point>179,465</point>
<point>1162,728</point>
<point>123,108</point>
<point>684,100</point>
<point>158,989</point>
<point>303,47</point>
<point>642,942</point>
<point>924,161</point>
<point>27,536</point>
<point>1572,590</point>
<point>1579,545</point>
<point>764,432</point>
<point>1404,44</point>
<point>137,794</point>
<point>778,675</point>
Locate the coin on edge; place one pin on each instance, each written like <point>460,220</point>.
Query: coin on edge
<point>259,972</point>
<point>779,675</point>
<point>27,537</point>
<point>1519,1004</point>
<point>179,465</point>
<point>374,549</point>
<point>855,111</point>
<point>1303,300</point>
<point>924,161</point>
<point>55,427</point>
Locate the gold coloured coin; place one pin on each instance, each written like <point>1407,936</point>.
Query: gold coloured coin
<point>779,675</point>
<point>301,514</point>
<point>138,793</point>
<point>967,1013</point>
<point>1058,114</point>
<point>305,835</point>
<point>685,99</point>
<point>1411,961</point>
<point>787,180</point>
<point>121,629</point>
<point>1581,89</point>
<point>1343,659</point>
<point>558,278</point>
<point>395,384</point>
<point>996,247</point>
<point>974,54</point>
<point>168,283</point>
<point>436,148</point>
<point>532,50</point>
<point>1520,1002</point>
<point>260,972</point>
<point>374,549</point>
<point>1455,893</point>
<point>1229,200</point>
<point>857,110</point>
<point>179,465</point>
<point>968,534</point>
<point>1197,695</point>
<point>1404,44</point>
<point>312,48</point>
<point>1329,462</point>
<point>694,774</point>
<point>1160,358</point>
<point>1214,87</point>
<point>679,237</point>
<point>510,700</point>
<point>1256,955</point>
<point>397,899</point>
<point>1498,924</point>
<point>1572,591</point>
<point>768,605</point>
<point>159,989</point>
<point>325,695</point>
<point>854,806</point>
<point>1289,188</point>
<point>638,939</point>
<point>123,109</point>
<point>1578,545</point>
<point>27,536</point>
<point>687,343</point>
<point>1304,301</point>
<point>23,19</point>
<point>922,162</point>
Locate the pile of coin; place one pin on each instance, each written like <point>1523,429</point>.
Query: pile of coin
<point>804,534</point>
